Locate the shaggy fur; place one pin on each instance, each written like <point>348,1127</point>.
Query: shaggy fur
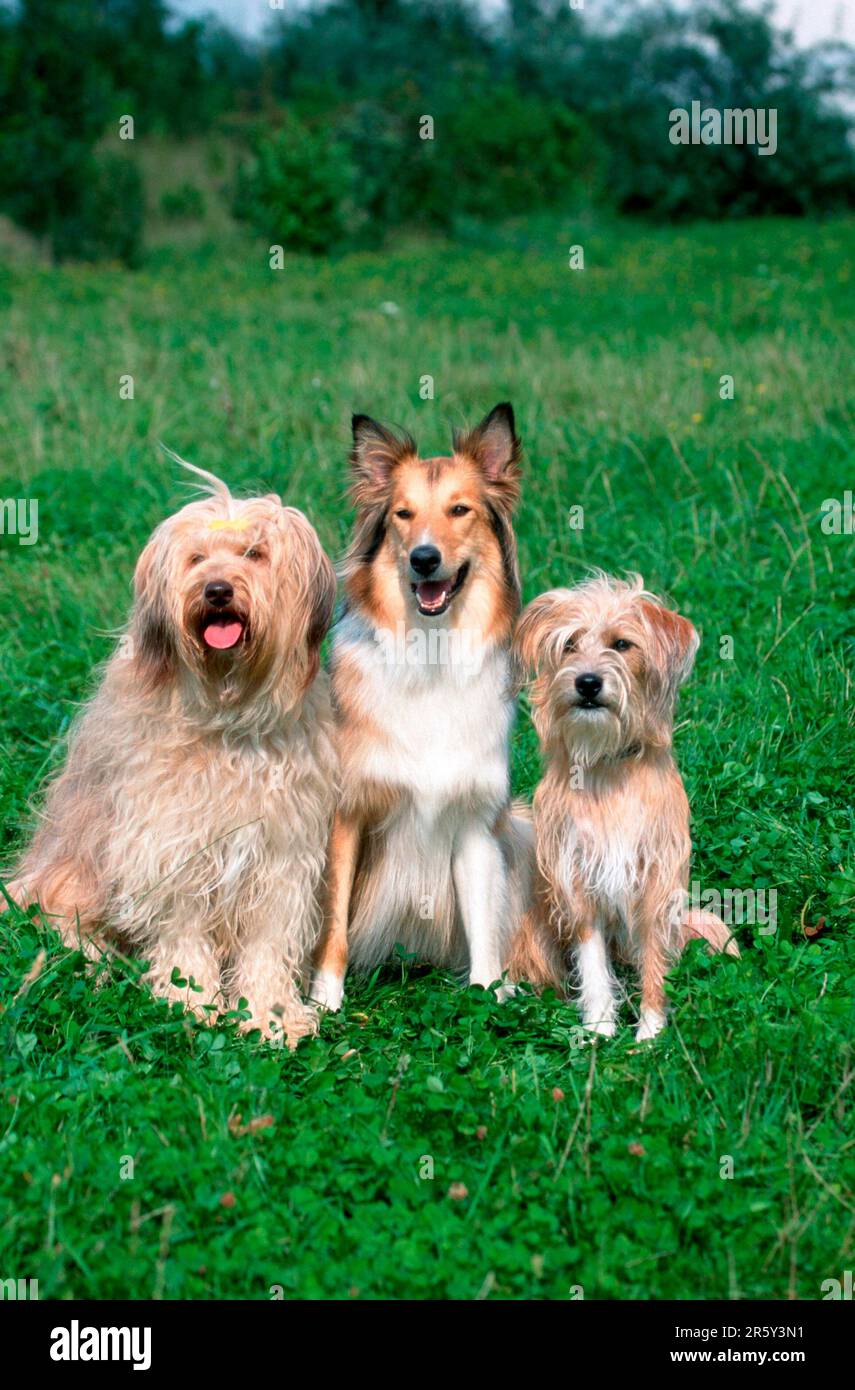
<point>424,848</point>
<point>191,820</point>
<point>611,815</point>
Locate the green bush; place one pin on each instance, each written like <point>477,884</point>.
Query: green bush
<point>185,203</point>
<point>297,189</point>
<point>107,223</point>
<point>502,152</point>
<point>511,94</point>
<point>719,53</point>
<point>367,168</point>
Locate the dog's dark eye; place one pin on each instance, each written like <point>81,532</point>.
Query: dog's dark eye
<point>570,644</point>
<point>254,553</point>
<point>460,510</point>
<point>620,644</point>
<point>404,514</point>
<point>196,559</point>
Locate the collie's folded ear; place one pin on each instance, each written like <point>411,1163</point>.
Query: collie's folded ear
<point>375,454</point>
<point>153,643</point>
<point>495,448</point>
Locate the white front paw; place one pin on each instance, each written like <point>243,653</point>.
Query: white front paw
<point>483,979</point>
<point>650,1023</point>
<point>605,1027</point>
<point>327,990</point>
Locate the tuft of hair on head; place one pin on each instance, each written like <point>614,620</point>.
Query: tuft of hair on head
<point>210,484</point>
<point>600,586</point>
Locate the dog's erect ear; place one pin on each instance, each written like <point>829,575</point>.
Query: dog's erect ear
<point>314,575</point>
<point>376,453</point>
<point>675,643</point>
<point>154,648</point>
<point>493,445</point>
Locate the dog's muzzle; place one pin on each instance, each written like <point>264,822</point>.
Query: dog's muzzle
<point>434,595</point>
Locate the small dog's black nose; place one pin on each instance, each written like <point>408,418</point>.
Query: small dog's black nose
<point>425,559</point>
<point>589,685</point>
<point>219,593</point>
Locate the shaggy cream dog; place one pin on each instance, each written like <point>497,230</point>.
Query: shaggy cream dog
<point>191,819</point>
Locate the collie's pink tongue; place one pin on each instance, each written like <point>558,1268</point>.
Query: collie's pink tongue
<point>223,635</point>
<point>432,593</point>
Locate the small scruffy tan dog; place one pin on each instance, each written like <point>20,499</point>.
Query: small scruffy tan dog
<point>190,822</point>
<point>611,814</point>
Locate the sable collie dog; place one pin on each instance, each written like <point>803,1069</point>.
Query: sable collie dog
<point>424,850</point>
<point>191,820</point>
<point>611,815</point>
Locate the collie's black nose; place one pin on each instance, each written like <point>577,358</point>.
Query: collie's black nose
<point>589,685</point>
<point>219,593</point>
<point>425,559</point>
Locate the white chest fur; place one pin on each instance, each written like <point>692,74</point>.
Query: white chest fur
<point>442,712</point>
<point>605,867</point>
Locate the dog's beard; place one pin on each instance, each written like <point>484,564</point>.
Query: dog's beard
<point>595,732</point>
<point>591,736</point>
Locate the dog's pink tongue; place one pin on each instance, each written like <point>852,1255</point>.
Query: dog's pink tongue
<point>223,635</point>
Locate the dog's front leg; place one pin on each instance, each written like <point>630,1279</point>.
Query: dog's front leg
<point>327,987</point>
<point>480,878</point>
<point>598,993</point>
<point>651,932</point>
<point>187,948</point>
<point>263,974</point>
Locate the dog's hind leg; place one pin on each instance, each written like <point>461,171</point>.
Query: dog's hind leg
<point>66,904</point>
<point>535,951</point>
<point>327,987</point>
<point>536,954</point>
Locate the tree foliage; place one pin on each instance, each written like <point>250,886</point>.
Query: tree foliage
<point>528,104</point>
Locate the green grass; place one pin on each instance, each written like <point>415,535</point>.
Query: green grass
<point>583,1165</point>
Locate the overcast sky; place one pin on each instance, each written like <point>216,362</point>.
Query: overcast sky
<point>812,20</point>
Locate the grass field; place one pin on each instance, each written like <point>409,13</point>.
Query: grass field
<point>431,1143</point>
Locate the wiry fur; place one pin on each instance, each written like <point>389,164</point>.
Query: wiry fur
<point>611,815</point>
<point>424,848</point>
<point>191,819</point>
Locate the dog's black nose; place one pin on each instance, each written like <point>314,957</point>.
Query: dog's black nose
<point>219,593</point>
<point>589,685</point>
<point>425,559</point>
